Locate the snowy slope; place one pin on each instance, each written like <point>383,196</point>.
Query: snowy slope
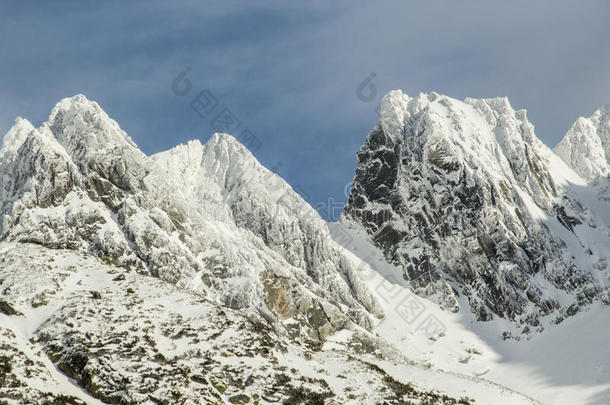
<point>566,364</point>
<point>130,338</point>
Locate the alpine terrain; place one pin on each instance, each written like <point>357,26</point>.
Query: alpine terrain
<point>471,266</point>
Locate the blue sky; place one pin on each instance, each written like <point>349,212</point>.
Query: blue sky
<point>289,71</point>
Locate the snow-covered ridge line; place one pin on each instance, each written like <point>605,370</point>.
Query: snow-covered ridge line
<point>208,216</point>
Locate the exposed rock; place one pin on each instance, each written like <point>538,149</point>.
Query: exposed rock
<point>461,195</point>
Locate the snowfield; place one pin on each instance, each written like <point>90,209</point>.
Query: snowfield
<point>568,363</point>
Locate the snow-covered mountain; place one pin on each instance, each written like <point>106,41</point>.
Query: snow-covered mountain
<point>192,276</point>
<point>198,276</point>
<point>460,202</point>
<point>469,202</point>
<point>207,217</point>
<point>586,146</point>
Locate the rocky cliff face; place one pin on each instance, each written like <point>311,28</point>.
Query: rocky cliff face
<point>466,199</point>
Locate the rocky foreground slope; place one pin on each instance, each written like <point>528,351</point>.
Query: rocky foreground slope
<point>69,320</point>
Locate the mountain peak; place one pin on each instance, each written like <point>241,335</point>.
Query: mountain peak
<point>228,141</point>
<point>397,109</point>
<point>73,106</point>
<point>15,137</point>
<point>604,110</point>
<point>469,130</point>
<point>586,145</point>
<point>78,123</point>
<point>229,153</point>
<point>437,172</point>
<point>77,99</point>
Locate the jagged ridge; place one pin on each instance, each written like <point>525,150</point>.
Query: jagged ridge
<point>214,221</point>
<point>466,199</point>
